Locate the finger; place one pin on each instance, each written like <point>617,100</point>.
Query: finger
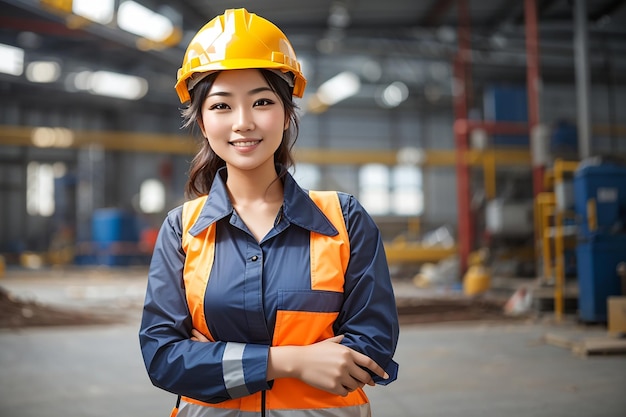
<point>352,385</point>
<point>335,339</point>
<point>356,377</point>
<point>361,376</point>
<point>348,390</point>
<point>197,336</point>
<point>367,362</point>
<point>355,386</point>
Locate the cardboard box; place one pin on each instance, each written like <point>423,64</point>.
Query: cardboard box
<point>616,307</point>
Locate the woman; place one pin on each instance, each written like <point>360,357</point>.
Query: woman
<point>262,298</point>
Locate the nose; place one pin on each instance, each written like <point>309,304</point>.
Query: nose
<point>243,120</point>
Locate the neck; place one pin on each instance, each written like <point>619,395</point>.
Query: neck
<point>247,187</point>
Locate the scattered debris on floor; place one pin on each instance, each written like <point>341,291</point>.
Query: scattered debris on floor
<point>520,303</point>
<point>114,296</point>
<point>437,310</point>
<point>16,313</point>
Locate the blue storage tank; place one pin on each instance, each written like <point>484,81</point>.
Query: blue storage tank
<point>564,137</point>
<point>606,184</point>
<point>507,103</point>
<point>597,259</point>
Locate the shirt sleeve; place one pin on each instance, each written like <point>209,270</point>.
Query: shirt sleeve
<point>210,372</point>
<point>369,318</point>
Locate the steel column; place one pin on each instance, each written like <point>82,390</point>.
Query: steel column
<point>581,51</point>
<point>461,135</point>
<point>533,85</point>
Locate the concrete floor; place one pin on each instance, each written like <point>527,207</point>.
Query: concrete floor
<point>469,369</point>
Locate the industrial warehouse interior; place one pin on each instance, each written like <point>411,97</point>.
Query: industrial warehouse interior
<point>486,139</point>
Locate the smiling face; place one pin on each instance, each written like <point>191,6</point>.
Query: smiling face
<point>243,120</point>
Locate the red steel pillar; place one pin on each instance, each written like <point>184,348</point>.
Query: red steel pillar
<point>533,85</point>
<point>461,135</point>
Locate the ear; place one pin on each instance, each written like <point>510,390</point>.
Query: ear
<point>287,123</point>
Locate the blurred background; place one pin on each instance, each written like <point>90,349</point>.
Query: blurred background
<point>485,137</point>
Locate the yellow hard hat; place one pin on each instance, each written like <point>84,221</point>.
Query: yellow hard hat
<point>238,40</point>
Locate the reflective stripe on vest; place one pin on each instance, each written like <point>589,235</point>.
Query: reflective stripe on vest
<point>194,410</point>
<point>329,257</point>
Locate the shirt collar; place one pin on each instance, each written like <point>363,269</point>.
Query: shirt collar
<point>298,208</point>
<point>217,205</point>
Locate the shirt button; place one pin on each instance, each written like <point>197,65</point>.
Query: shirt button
<point>254,258</point>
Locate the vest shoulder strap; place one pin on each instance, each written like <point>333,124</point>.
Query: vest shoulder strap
<point>191,212</point>
<point>328,202</point>
<point>200,253</point>
<point>330,255</point>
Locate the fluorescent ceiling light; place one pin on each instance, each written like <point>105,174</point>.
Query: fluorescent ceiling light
<point>46,137</point>
<point>43,71</point>
<point>411,156</point>
<point>339,16</point>
<point>137,19</point>
<point>111,84</point>
<point>394,94</point>
<point>152,196</point>
<point>100,11</point>
<point>338,88</point>
<point>118,85</point>
<point>11,60</point>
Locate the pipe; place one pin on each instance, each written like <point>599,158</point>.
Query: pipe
<point>583,78</point>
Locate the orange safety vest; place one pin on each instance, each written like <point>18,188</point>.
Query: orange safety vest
<point>329,256</point>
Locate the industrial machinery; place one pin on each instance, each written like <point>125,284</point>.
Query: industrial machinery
<point>600,205</point>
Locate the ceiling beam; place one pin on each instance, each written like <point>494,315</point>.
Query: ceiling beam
<point>437,10</point>
<point>513,14</point>
<point>40,26</point>
<point>112,34</point>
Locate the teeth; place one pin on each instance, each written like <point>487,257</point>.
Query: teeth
<point>244,144</point>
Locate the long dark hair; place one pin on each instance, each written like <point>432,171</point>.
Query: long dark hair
<point>206,163</point>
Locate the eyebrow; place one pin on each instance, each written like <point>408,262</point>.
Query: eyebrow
<point>250,93</point>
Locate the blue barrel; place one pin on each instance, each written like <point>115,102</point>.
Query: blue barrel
<point>606,184</point>
<point>597,259</point>
<point>115,237</point>
<point>113,225</point>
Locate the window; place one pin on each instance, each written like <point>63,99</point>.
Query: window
<point>40,187</point>
<point>374,188</point>
<point>391,190</point>
<point>408,197</point>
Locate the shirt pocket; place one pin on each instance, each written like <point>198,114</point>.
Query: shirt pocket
<point>305,317</point>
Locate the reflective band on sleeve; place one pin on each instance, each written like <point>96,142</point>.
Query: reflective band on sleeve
<point>232,367</point>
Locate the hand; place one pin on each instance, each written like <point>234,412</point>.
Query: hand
<point>326,365</point>
<point>196,336</point>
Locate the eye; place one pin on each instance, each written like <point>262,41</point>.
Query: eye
<point>263,102</point>
<point>219,106</point>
